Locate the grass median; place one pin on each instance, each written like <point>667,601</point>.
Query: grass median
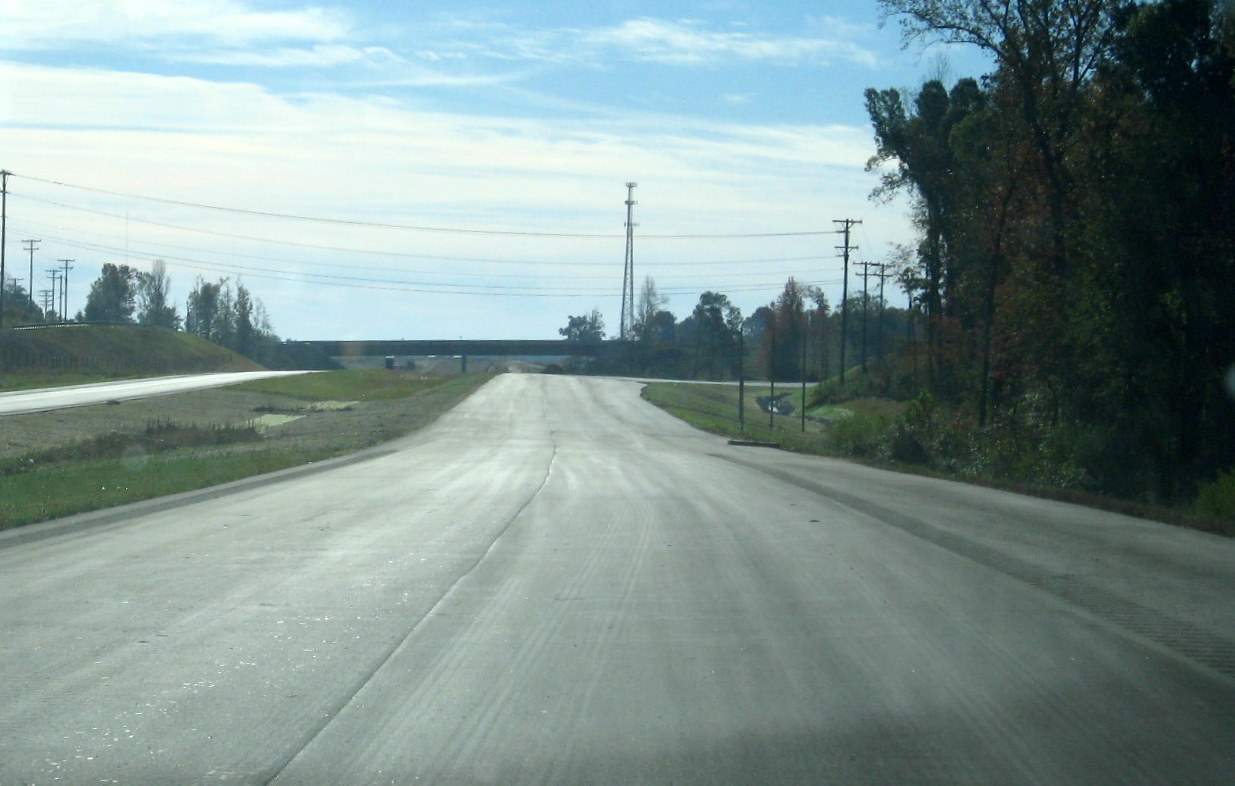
<point>111,455</point>
<point>715,408</point>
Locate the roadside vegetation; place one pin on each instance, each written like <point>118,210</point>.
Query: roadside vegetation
<point>918,436</point>
<point>1067,319</point>
<point>217,436</point>
<point>80,354</point>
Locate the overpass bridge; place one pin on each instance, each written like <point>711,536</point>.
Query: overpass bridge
<point>464,348</point>
<point>460,347</point>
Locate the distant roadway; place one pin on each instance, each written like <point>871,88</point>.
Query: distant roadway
<point>45,399</point>
<point>558,584</point>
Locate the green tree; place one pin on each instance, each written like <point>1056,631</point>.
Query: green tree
<point>921,145</point>
<point>153,298</point>
<point>789,331</point>
<point>584,329</point>
<point>1047,52</point>
<point>646,311</point>
<point>112,295</point>
<point>715,323</point>
<point>244,331</point>
<point>202,309</point>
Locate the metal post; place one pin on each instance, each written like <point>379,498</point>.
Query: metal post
<point>627,319</point>
<point>4,237</point>
<point>772,379</point>
<point>802,371</point>
<point>741,383</point>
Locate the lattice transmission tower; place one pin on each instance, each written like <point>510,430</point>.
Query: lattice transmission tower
<point>627,326</point>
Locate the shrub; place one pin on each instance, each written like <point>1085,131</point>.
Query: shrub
<point>1218,498</point>
<point>858,435</point>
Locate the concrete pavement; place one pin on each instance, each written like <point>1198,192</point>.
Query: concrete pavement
<point>558,583</point>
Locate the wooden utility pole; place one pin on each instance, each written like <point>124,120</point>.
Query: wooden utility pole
<point>846,225</point>
<point>31,246</point>
<point>866,304</point>
<point>64,292</point>
<point>883,275</point>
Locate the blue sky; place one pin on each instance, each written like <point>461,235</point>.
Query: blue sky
<point>464,163</point>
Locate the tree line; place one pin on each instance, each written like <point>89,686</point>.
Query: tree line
<point>1072,288</point>
<point>1076,208</point>
<point>221,311</point>
<point>796,336</point>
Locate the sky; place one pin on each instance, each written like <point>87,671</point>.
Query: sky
<point>385,170</point>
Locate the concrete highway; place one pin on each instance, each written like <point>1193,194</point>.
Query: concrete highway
<point>557,583</point>
<point>45,399</point>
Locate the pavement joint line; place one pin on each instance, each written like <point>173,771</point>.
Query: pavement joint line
<point>1197,645</point>
<point>398,642</point>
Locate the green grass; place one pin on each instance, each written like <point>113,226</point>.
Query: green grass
<point>78,354</point>
<point>714,408</point>
<point>357,385</point>
<point>157,437</point>
<point>116,469</point>
<point>10,382</point>
<point>65,489</point>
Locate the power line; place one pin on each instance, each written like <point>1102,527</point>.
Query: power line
<point>231,267</point>
<point>399,254</point>
<point>408,227</point>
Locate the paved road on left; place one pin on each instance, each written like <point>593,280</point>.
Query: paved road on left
<point>46,399</point>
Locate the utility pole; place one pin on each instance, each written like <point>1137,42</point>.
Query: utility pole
<point>46,296</point>
<point>883,275</point>
<point>54,274</point>
<point>4,222</point>
<point>64,283</point>
<point>31,245</point>
<point>846,225</point>
<point>628,269</point>
<point>866,303</point>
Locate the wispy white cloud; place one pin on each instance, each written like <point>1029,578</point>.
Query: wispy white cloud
<point>386,158</point>
<point>692,42</point>
<point>49,24</point>
<point>201,140</point>
<point>679,42</point>
<point>319,56</point>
